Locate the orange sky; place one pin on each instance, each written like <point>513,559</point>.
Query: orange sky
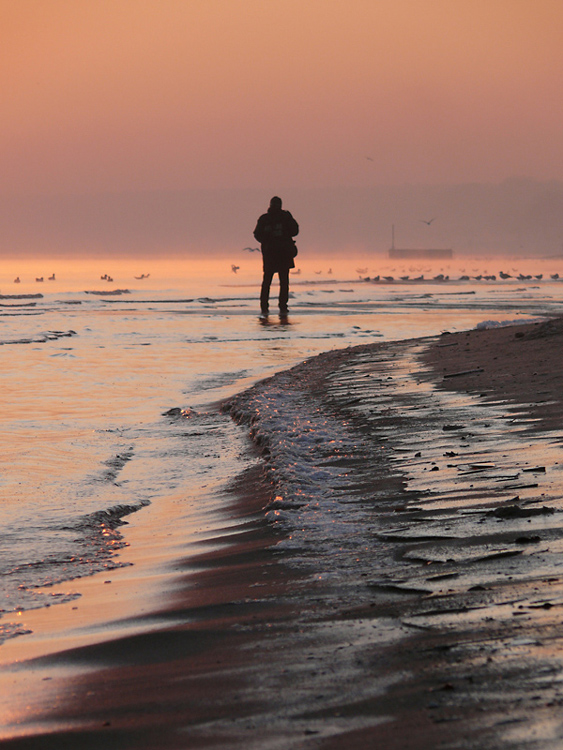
<point>147,94</point>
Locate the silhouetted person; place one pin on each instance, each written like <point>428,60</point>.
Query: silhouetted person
<point>275,231</point>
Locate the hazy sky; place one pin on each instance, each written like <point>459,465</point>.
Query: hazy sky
<point>147,94</point>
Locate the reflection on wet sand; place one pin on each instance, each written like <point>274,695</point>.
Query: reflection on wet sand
<point>438,509</point>
<point>477,547</point>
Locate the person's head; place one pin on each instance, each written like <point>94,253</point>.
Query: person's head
<point>275,203</point>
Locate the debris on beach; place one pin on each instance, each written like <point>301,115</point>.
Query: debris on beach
<point>516,511</point>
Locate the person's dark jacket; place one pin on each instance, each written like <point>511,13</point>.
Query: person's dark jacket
<point>275,231</point>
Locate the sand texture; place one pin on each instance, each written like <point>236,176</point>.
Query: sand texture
<point>437,624</point>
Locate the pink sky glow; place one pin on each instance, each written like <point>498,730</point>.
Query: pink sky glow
<point>119,95</point>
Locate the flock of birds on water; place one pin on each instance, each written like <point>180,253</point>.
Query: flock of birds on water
<point>362,271</point>
<point>37,278</point>
<point>104,277</point>
<point>407,278</point>
<point>464,277</point>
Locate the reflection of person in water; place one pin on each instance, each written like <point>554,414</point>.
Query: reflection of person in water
<point>275,231</point>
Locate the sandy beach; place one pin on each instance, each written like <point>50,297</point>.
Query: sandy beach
<point>439,627</point>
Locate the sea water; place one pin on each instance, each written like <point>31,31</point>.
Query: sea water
<point>111,374</point>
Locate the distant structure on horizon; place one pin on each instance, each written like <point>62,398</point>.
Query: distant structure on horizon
<point>417,252</point>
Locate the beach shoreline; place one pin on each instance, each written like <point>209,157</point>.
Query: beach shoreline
<point>445,624</point>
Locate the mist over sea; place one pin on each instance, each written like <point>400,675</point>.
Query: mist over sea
<point>110,386</point>
<point>518,216</point>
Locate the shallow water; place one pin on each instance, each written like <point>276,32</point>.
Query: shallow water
<point>109,398</point>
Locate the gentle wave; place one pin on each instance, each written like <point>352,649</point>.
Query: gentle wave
<point>87,545</point>
<point>69,481</point>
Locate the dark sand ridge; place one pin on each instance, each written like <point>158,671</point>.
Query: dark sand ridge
<point>445,633</point>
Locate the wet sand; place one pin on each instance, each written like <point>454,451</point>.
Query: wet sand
<point>446,633</point>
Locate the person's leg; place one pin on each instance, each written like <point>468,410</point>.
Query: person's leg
<point>265,291</point>
<point>284,289</point>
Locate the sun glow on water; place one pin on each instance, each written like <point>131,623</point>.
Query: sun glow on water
<point>109,385</point>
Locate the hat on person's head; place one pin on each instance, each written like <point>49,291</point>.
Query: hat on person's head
<point>276,202</point>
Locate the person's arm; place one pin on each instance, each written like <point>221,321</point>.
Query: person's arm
<point>259,231</point>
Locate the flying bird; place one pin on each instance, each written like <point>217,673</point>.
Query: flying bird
<point>234,268</point>
<point>425,221</point>
<point>251,249</point>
